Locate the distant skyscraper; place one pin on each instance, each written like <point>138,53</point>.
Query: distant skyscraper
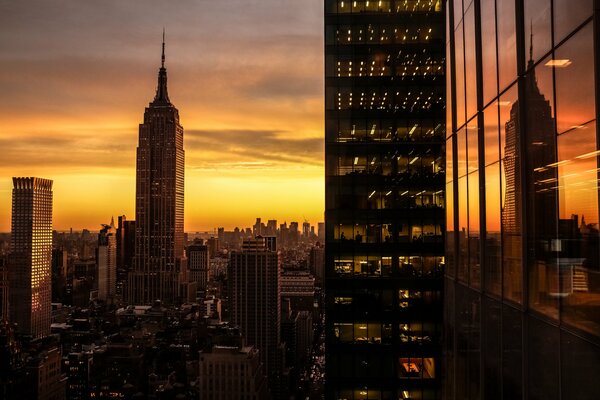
<point>157,266</point>
<point>197,255</point>
<point>254,298</point>
<point>31,256</point>
<point>106,259</point>
<point>125,250</point>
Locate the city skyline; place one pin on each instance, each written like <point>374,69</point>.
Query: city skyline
<point>252,114</point>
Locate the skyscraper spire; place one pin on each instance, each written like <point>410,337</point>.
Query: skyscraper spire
<point>530,42</point>
<point>162,97</point>
<point>162,64</point>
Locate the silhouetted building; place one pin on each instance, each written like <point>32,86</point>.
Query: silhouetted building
<point>316,263</point>
<point>30,292</point>
<point>106,260</point>
<point>158,266</point>
<point>384,190</point>
<point>45,380</point>
<point>125,251</point>
<point>522,288</point>
<point>254,301</point>
<point>197,255</point>
<point>78,369</point>
<point>60,263</point>
<point>230,373</point>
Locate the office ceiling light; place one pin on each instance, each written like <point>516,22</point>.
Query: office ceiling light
<point>558,63</point>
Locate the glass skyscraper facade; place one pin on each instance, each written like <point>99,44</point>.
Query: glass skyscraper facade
<point>522,286</point>
<point>385,131</point>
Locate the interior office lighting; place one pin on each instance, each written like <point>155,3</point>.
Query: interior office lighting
<point>558,63</point>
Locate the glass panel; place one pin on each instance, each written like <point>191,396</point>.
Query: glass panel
<point>537,28</point>
<point>574,67</point>
<point>578,280</point>
<point>449,161</point>
<point>488,56</point>
<point>543,341</point>
<point>493,264</point>
<point>511,196</point>
<point>507,105</point>
<point>462,228</point>
<point>512,353</point>
<point>492,349</point>
<point>450,229</point>
<point>470,65</point>
<point>577,357</point>
<point>507,55</point>
<point>461,145</point>
<point>567,17</point>
<point>474,263</point>
<point>460,75</point>
<point>458,11</point>
<point>542,195</point>
<point>491,134</point>
<point>472,146</point>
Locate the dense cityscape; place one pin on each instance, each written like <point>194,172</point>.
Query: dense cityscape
<point>458,258</point>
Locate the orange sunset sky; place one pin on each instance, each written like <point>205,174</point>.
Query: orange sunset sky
<point>246,76</point>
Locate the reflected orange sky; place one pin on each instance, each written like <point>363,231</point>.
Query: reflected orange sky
<point>246,76</point>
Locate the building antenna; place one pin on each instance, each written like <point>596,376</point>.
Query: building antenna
<point>163,50</point>
<point>531,41</point>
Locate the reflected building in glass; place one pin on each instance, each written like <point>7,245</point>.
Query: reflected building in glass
<point>385,124</point>
<point>522,287</point>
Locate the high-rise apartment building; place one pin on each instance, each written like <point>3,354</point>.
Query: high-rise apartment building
<point>106,260</point>
<point>254,301</point>
<point>522,293</point>
<point>158,265</point>
<point>384,148</point>
<point>231,372</point>
<point>198,257</point>
<point>125,250</point>
<point>30,268</point>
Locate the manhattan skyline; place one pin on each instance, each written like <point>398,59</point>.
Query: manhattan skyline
<point>250,99</point>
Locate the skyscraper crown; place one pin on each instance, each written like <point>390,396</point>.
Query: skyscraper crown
<point>162,97</point>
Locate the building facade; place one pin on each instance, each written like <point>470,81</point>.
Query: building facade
<point>522,317</point>
<point>125,250</point>
<point>30,268</point>
<point>254,286</point>
<point>384,219</point>
<point>158,265</point>
<point>230,373</point>
<point>198,262</point>
<point>106,260</point>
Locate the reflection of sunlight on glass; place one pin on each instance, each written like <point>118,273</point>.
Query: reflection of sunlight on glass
<point>558,63</point>
<point>578,127</point>
<point>503,103</point>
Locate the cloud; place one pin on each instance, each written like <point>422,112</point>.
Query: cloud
<point>264,148</point>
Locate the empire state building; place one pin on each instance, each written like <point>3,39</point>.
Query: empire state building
<point>159,266</point>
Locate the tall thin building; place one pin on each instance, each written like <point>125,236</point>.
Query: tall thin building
<point>254,300</point>
<point>106,259</point>
<point>158,263</point>
<point>125,250</point>
<point>198,262</point>
<point>30,272</point>
<point>384,217</point>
